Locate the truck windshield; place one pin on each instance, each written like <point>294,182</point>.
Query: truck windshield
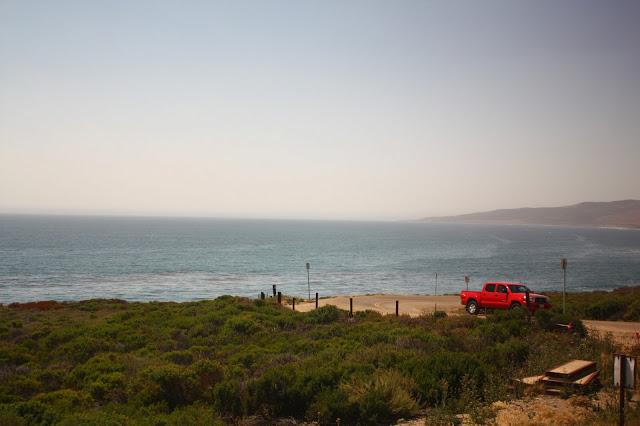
<point>519,289</point>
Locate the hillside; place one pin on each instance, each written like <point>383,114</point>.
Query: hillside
<point>625,213</point>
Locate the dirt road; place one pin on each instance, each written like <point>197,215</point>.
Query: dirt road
<point>622,332</point>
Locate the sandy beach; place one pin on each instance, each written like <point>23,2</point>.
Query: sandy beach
<point>386,303</point>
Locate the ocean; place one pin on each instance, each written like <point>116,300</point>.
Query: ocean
<point>180,259</point>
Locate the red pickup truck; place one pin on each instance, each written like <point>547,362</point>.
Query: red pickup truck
<point>502,295</point>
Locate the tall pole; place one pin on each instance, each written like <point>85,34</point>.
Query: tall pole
<point>564,290</point>
<point>435,303</point>
<point>308,281</point>
<point>622,386</point>
<point>436,292</point>
<point>563,264</point>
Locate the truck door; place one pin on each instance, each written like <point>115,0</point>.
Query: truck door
<point>502,297</point>
<point>488,296</point>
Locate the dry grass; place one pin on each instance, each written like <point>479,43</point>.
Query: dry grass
<point>542,411</point>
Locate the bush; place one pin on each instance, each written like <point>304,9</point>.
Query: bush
<point>633,312</point>
<point>508,355</point>
<point>385,396</point>
<point>179,357</point>
<point>606,310</point>
<point>550,320</point>
<point>230,398</point>
<point>171,384</point>
<point>323,315</point>
<point>109,387</point>
<point>207,373</point>
<point>241,325</point>
<point>331,404</point>
<point>439,377</point>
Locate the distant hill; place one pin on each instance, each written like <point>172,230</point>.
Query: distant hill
<point>625,213</point>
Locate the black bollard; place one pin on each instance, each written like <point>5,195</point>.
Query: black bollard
<point>351,306</point>
<point>274,290</point>
<point>262,295</point>
<point>279,298</point>
<point>397,308</point>
<point>316,300</point>
<point>294,303</point>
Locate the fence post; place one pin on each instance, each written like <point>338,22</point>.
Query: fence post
<point>262,295</point>
<point>294,303</point>
<point>397,310</point>
<point>351,306</point>
<point>279,298</point>
<point>622,386</point>
<point>316,300</point>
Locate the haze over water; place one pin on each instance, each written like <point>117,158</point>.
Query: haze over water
<point>73,258</point>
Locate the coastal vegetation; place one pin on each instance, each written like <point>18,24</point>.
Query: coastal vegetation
<point>236,360</point>
<point>622,304</point>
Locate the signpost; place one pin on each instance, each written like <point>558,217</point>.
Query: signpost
<point>435,306</point>
<point>624,376</point>
<point>436,292</point>
<point>563,265</point>
<point>466,280</point>
<point>308,282</point>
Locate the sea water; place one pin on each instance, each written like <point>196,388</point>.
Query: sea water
<point>73,258</point>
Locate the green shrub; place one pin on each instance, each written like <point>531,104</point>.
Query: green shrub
<point>109,387</point>
<point>231,398</point>
<point>507,355</point>
<point>179,357</point>
<point>241,325</point>
<point>633,311</point>
<point>331,404</point>
<point>82,348</point>
<point>171,384</point>
<point>323,315</point>
<point>608,309</point>
<point>10,418</point>
<point>553,321</point>
<point>275,392</point>
<point>439,377</point>
<point>207,373</point>
<point>95,367</point>
<point>385,396</point>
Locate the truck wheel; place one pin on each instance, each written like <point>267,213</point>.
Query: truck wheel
<point>472,307</point>
<point>515,305</point>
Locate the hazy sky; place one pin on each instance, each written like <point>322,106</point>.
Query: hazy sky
<point>317,109</point>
